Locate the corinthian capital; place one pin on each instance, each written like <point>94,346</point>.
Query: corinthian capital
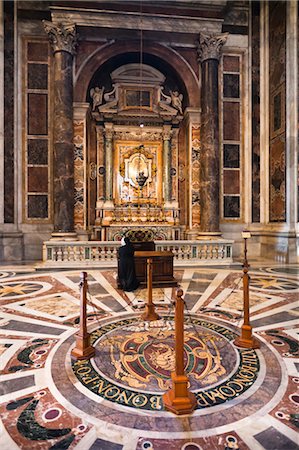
<point>63,37</point>
<point>209,46</point>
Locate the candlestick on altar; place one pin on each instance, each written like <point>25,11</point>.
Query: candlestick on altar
<point>246,340</point>
<point>150,313</point>
<point>83,349</point>
<point>179,399</point>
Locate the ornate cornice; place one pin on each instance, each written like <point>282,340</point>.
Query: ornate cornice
<point>63,37</point>
<point>209,46</point>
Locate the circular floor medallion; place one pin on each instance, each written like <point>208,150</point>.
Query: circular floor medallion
<point>133,366</point>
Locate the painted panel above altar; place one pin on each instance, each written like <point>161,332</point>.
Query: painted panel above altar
<point>139,173</point>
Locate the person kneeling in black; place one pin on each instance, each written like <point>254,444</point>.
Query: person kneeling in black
<point>126,275</point>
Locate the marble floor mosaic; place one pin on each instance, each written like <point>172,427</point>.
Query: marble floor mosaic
<point>246,399</point>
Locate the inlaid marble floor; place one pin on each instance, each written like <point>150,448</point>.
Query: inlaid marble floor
<point>246,399</point>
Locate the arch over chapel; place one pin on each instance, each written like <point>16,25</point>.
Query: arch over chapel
<point>159,56</point>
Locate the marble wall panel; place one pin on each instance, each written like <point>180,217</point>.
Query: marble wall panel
<point>37,114</point>
<point>190,55</point>
<point>37,76</point>
<point>231,156</point>
<point>37,51</point>
<point>277,179</point>
<point>101,164</point>
<point>277,44</point>
<point>255,99</point>
<point>277,91</point>
<point>231,121</point>
<point>79,142</point>
<point>37,151</point>
<point>37,206</point>
<point>231,85</point>
<point>9,169</point>
<point>231,206</point>
<point>231,182</point>
<point>37,179</point>
<point>36,73</point>
<point>231,63</point>
<point>182,179</point>
<point>195,177</point>
<point>231,139</point>
<point>174,159</point>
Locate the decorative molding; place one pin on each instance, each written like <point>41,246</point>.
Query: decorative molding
<point>209,46</point>
<point>137,136</point>
<point>63,37</point>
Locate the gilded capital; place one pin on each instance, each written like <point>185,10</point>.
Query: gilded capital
<point>209,46</point>
<point>63,37</point>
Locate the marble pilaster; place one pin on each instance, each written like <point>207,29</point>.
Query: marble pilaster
<point>292,190</point>
<point>1,113</point>
<point>80,207</point>
<point>209,51</point>
<point>167,165</point>
<point>63,39</point>
<point>108,163</point>
<point>9,105</point>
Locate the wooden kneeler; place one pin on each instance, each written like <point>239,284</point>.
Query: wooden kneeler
<point>83,349</point>
<point>179,399</point>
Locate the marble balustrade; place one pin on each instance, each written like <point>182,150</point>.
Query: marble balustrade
<point>104,253</point>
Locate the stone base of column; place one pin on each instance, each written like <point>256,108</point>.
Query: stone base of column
<point>209,235</point>
<point>64,236</point>
<point>83,235</point>
<point>191,235</point>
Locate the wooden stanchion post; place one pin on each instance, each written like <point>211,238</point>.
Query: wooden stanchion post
<point>179,399</point>
<point>150,313</point>
<point>83,349</point>
<point>246,340</point>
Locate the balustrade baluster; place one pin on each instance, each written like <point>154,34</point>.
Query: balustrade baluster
<point>59,254</point>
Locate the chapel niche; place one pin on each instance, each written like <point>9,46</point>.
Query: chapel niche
<point>136,112</point>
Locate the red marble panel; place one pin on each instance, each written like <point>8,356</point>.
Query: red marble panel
<point>37,51</point>
<point>277,179</point>
<point>37,76</point>
<point>231,181</point>
<point>37,114</point>
<point>37,179</point>
<point>231,121</point>
<point>231,63</point>
<point>277,43</point>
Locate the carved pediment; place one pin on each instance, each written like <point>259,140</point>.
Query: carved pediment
<point>137,74</point>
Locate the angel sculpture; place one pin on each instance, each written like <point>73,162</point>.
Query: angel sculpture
<point>176,100</point>
<point>97,97</point>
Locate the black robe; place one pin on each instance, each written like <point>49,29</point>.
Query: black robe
<point>126,268</point>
